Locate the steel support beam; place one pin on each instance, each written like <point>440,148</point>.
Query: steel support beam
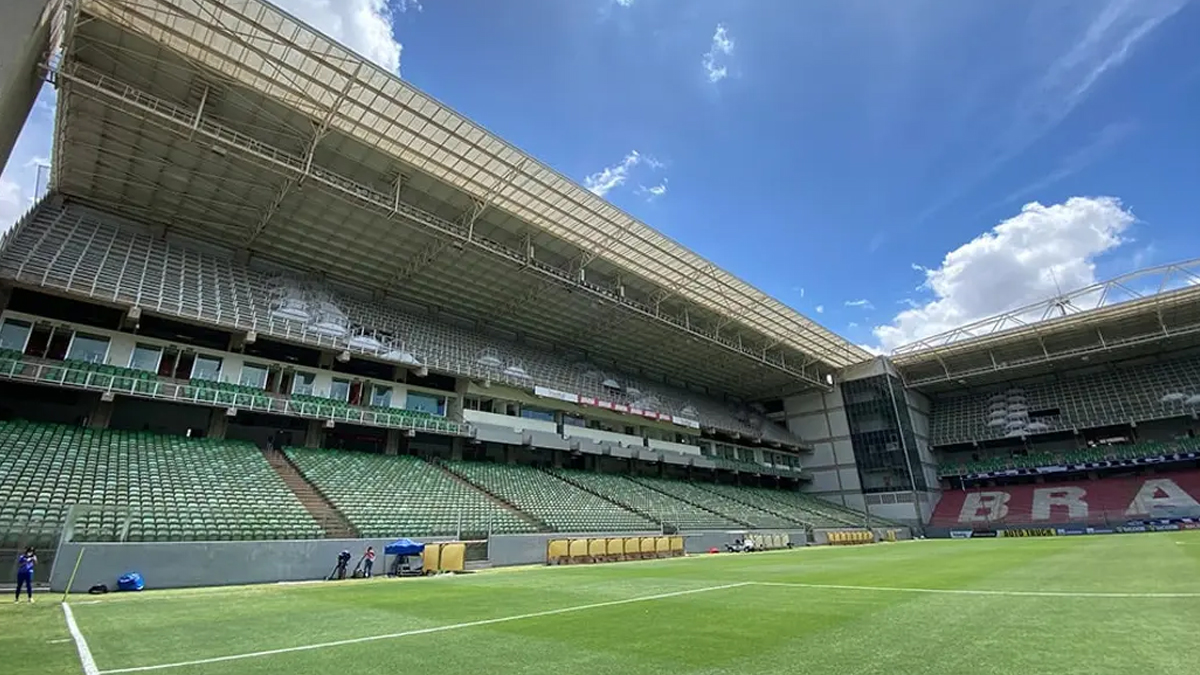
<point>179,119</point>
<point>513,306</point>
<point>417,264</point>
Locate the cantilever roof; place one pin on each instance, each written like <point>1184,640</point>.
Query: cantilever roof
<point>262,48</point>
<point>1144,307</point>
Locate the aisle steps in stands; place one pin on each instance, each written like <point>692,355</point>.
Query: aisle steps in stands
<point>587,488</point>
<point>681,491</point>
<point>501,501</point>
<point>765,506</point>
<point>335,524</point>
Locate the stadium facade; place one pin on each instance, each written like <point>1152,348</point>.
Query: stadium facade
<point>253,234</point>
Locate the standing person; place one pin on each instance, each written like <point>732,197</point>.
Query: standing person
<point>25,573</point>
<point>368,561</point>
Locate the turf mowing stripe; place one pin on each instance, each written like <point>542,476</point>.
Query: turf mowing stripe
<point>85,654</point>
<point>407,633</point>
<point>968,591</point>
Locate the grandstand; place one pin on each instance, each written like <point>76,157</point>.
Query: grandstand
<point>303,299</point>
<point>271,274</point>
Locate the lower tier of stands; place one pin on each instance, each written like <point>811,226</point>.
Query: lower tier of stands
<point>139,486</point>
<point>385,496</point>
<point>1105,501</point>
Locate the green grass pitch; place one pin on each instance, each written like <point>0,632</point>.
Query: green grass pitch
<point>1103,604</point>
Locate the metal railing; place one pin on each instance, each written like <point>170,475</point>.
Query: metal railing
<point>66,375</point>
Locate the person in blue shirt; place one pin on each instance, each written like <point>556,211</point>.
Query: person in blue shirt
<point>25,573</point>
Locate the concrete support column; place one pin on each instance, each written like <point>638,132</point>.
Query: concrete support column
<point>218,423</point>
<point>392,446</point>
<point>556,459</point>
<point>510,454</point>
<point>454,404</point>
<point>456,448</point>
<point>314,436</point>
<point>101,415</point>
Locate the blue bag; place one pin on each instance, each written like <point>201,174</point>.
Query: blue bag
<point>131,582</point>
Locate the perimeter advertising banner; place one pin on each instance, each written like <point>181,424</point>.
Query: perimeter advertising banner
<point>1029,532</point>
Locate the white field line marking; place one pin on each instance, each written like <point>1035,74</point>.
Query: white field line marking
<point>968,591</point>
<point>85,654</point>
<point>422,631</point>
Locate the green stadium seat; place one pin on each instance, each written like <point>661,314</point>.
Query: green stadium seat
<point>163,487</point>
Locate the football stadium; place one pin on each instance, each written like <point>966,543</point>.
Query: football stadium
<point>278,308</point>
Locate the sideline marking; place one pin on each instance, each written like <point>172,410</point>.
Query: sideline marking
<point>85,654</point>
<point>390,636</point>
<point>968,591</point>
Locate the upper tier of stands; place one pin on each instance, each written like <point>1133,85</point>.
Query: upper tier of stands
<point>1099,453</point>
<point>561,505</point>
<point>74,249</point>
<point>164,488</point>
<point>144,383</point>
<point>387,496</point>
<point>1119,396</point>
<point>1109,501</point>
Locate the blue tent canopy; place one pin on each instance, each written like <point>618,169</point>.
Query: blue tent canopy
<point>404,547</point>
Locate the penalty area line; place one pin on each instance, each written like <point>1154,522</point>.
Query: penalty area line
<point>81,645</point>
<point>971,591</point>
<point>418,631</point>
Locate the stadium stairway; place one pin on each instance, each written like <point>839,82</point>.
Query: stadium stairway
<point>689,494</point>
<point>566,477</point>
<point>332,521</point>
<point>501,501</point>
<point>763,502</point>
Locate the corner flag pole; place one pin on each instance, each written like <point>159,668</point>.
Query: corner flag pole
<point>71,581</point>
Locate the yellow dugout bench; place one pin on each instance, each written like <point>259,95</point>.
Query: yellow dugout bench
<point>444,557</point>
<point>611,549</point>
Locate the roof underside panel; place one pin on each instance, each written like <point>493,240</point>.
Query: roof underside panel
<point>311,88</point>
<point>229,177</point>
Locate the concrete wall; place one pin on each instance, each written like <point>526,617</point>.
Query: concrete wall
<point>185,564</point>
<point>182,564</point>
<point>819,419</point>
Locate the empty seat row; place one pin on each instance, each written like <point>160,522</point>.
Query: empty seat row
<point>386,496</point>
<point>125,485</point>
<point>561,505</point>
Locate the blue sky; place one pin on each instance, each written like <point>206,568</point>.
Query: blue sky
<point>867,162</point>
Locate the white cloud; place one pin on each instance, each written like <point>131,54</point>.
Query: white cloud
<point>654,191</point>
<point>873,351</point>
<point>716,56</point>
<point>863,304</point>
<point>604,180</point>
<point>18,182</point>
<point>820,309</point>
<point>624,3</point>
<point>852,325</point>
<point>1042,251</point>
<point>362,25</point>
